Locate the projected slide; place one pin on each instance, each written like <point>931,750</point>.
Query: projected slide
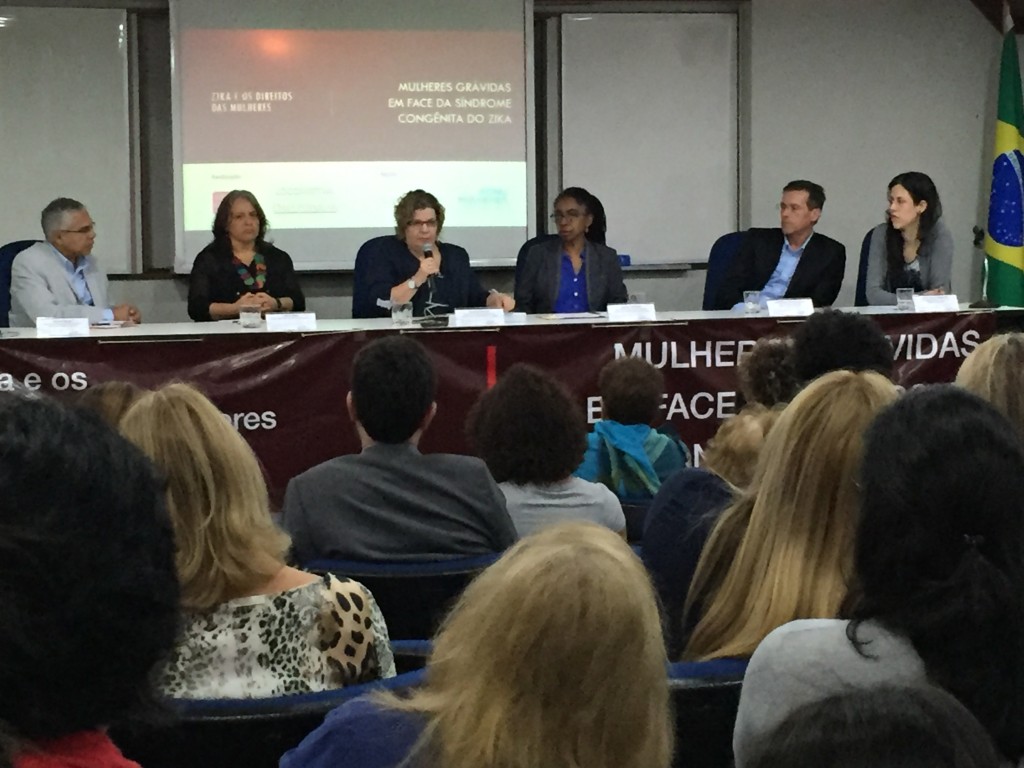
<point>328,128</point>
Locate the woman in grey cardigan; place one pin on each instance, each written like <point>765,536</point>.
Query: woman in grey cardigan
<point>914,247</point>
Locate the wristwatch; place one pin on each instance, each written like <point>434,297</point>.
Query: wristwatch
<point>412,284</point>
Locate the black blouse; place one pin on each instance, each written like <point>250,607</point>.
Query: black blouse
<point>215,279</point>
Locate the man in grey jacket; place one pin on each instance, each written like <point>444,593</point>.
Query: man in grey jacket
<point>60,277</point>
<point>391,502</point>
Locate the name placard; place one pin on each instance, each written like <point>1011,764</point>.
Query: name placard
<point>790,307</point>
<point>631,313</point>
<point>291,321</point>
<point>936,302</point>
<point>61,327</point>
<point>477,318</point>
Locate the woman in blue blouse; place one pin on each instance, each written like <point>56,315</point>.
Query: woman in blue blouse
<point>414,267</point>
<point>572,273</point>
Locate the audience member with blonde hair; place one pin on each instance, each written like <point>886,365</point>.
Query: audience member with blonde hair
<point>253,626</point>
<point>783,550</point>
<point>624,451</point>
<point>732,453</point>
<point>686,507</point>
<point>995,372</point>
<point>938,574</point>
<point>552,657</point>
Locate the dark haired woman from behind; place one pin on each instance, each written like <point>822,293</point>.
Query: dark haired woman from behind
<point>532,435</point>
<point>573,273</point>
<point>240,268</point>
<point>885,727</point>
<point>938,577</point>
<point>88,591</point>
<point>914,248</point>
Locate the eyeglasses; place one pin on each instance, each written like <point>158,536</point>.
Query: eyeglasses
<point>91,229</point>
<point>566,215</point>
<point>429,223</point>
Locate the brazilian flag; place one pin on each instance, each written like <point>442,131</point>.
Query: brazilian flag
<point>1004,242</point>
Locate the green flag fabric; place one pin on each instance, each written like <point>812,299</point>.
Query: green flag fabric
<point>1004,241</point>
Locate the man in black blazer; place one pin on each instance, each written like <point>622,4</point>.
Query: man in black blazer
<point>792,262</point>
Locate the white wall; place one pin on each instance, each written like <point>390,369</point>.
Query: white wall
<point>850,93</point>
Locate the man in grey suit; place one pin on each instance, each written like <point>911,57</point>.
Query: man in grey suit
<point>391,502</point>
<point>60,277</point>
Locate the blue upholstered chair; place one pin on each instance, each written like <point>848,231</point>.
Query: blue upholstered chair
<point>705,696</point>
<point>363,255</point>
<point>722,253</point>
<point>7,254</point>
<point>861,296</point>
<point>413,596</point>
<point>250,732</point>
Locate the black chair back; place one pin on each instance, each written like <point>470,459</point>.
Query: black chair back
<point>239,732</point>
<point>705,711</point>
<point>414,597</point>
<point>636,516</point>
<point>860,298</point>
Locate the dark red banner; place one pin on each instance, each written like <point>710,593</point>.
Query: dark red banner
<point>285,393</point>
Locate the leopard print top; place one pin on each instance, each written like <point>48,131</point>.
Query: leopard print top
<point>327,634</point>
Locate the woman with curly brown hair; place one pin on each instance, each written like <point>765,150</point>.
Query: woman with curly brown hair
<point>532,435</point>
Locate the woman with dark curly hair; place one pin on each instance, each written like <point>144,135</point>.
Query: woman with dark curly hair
<point>88,591</point>
<point>531,435</point>
<point>767,373</point>
<point>240,268</point>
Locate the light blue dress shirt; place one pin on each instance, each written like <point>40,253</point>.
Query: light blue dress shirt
<point>778,283</point>
<point>76,272</point>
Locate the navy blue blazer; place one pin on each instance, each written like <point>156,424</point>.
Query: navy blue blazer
<point>389,262</point>
<point>818,275</point>
<point>537,288</point>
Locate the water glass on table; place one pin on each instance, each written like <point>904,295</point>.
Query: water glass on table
<point>401,313</point>
<point>752,302</point>
<point>905,299</point>
<point>250,316</point>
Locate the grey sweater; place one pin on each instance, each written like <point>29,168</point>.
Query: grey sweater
<point>810,660</point>
<point>935,260</point>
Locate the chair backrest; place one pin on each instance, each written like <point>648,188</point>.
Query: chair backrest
<point>363,256</point>
<point>414,597</point>
<point>250,732</point>
<point>636,516</point>
<point>861,296</point>
<point>521,258</point>
<point>705,698</point>
<point>7,254</point>
<point>722,253</point>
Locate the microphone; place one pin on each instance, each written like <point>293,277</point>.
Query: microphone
<point>428,253</point>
